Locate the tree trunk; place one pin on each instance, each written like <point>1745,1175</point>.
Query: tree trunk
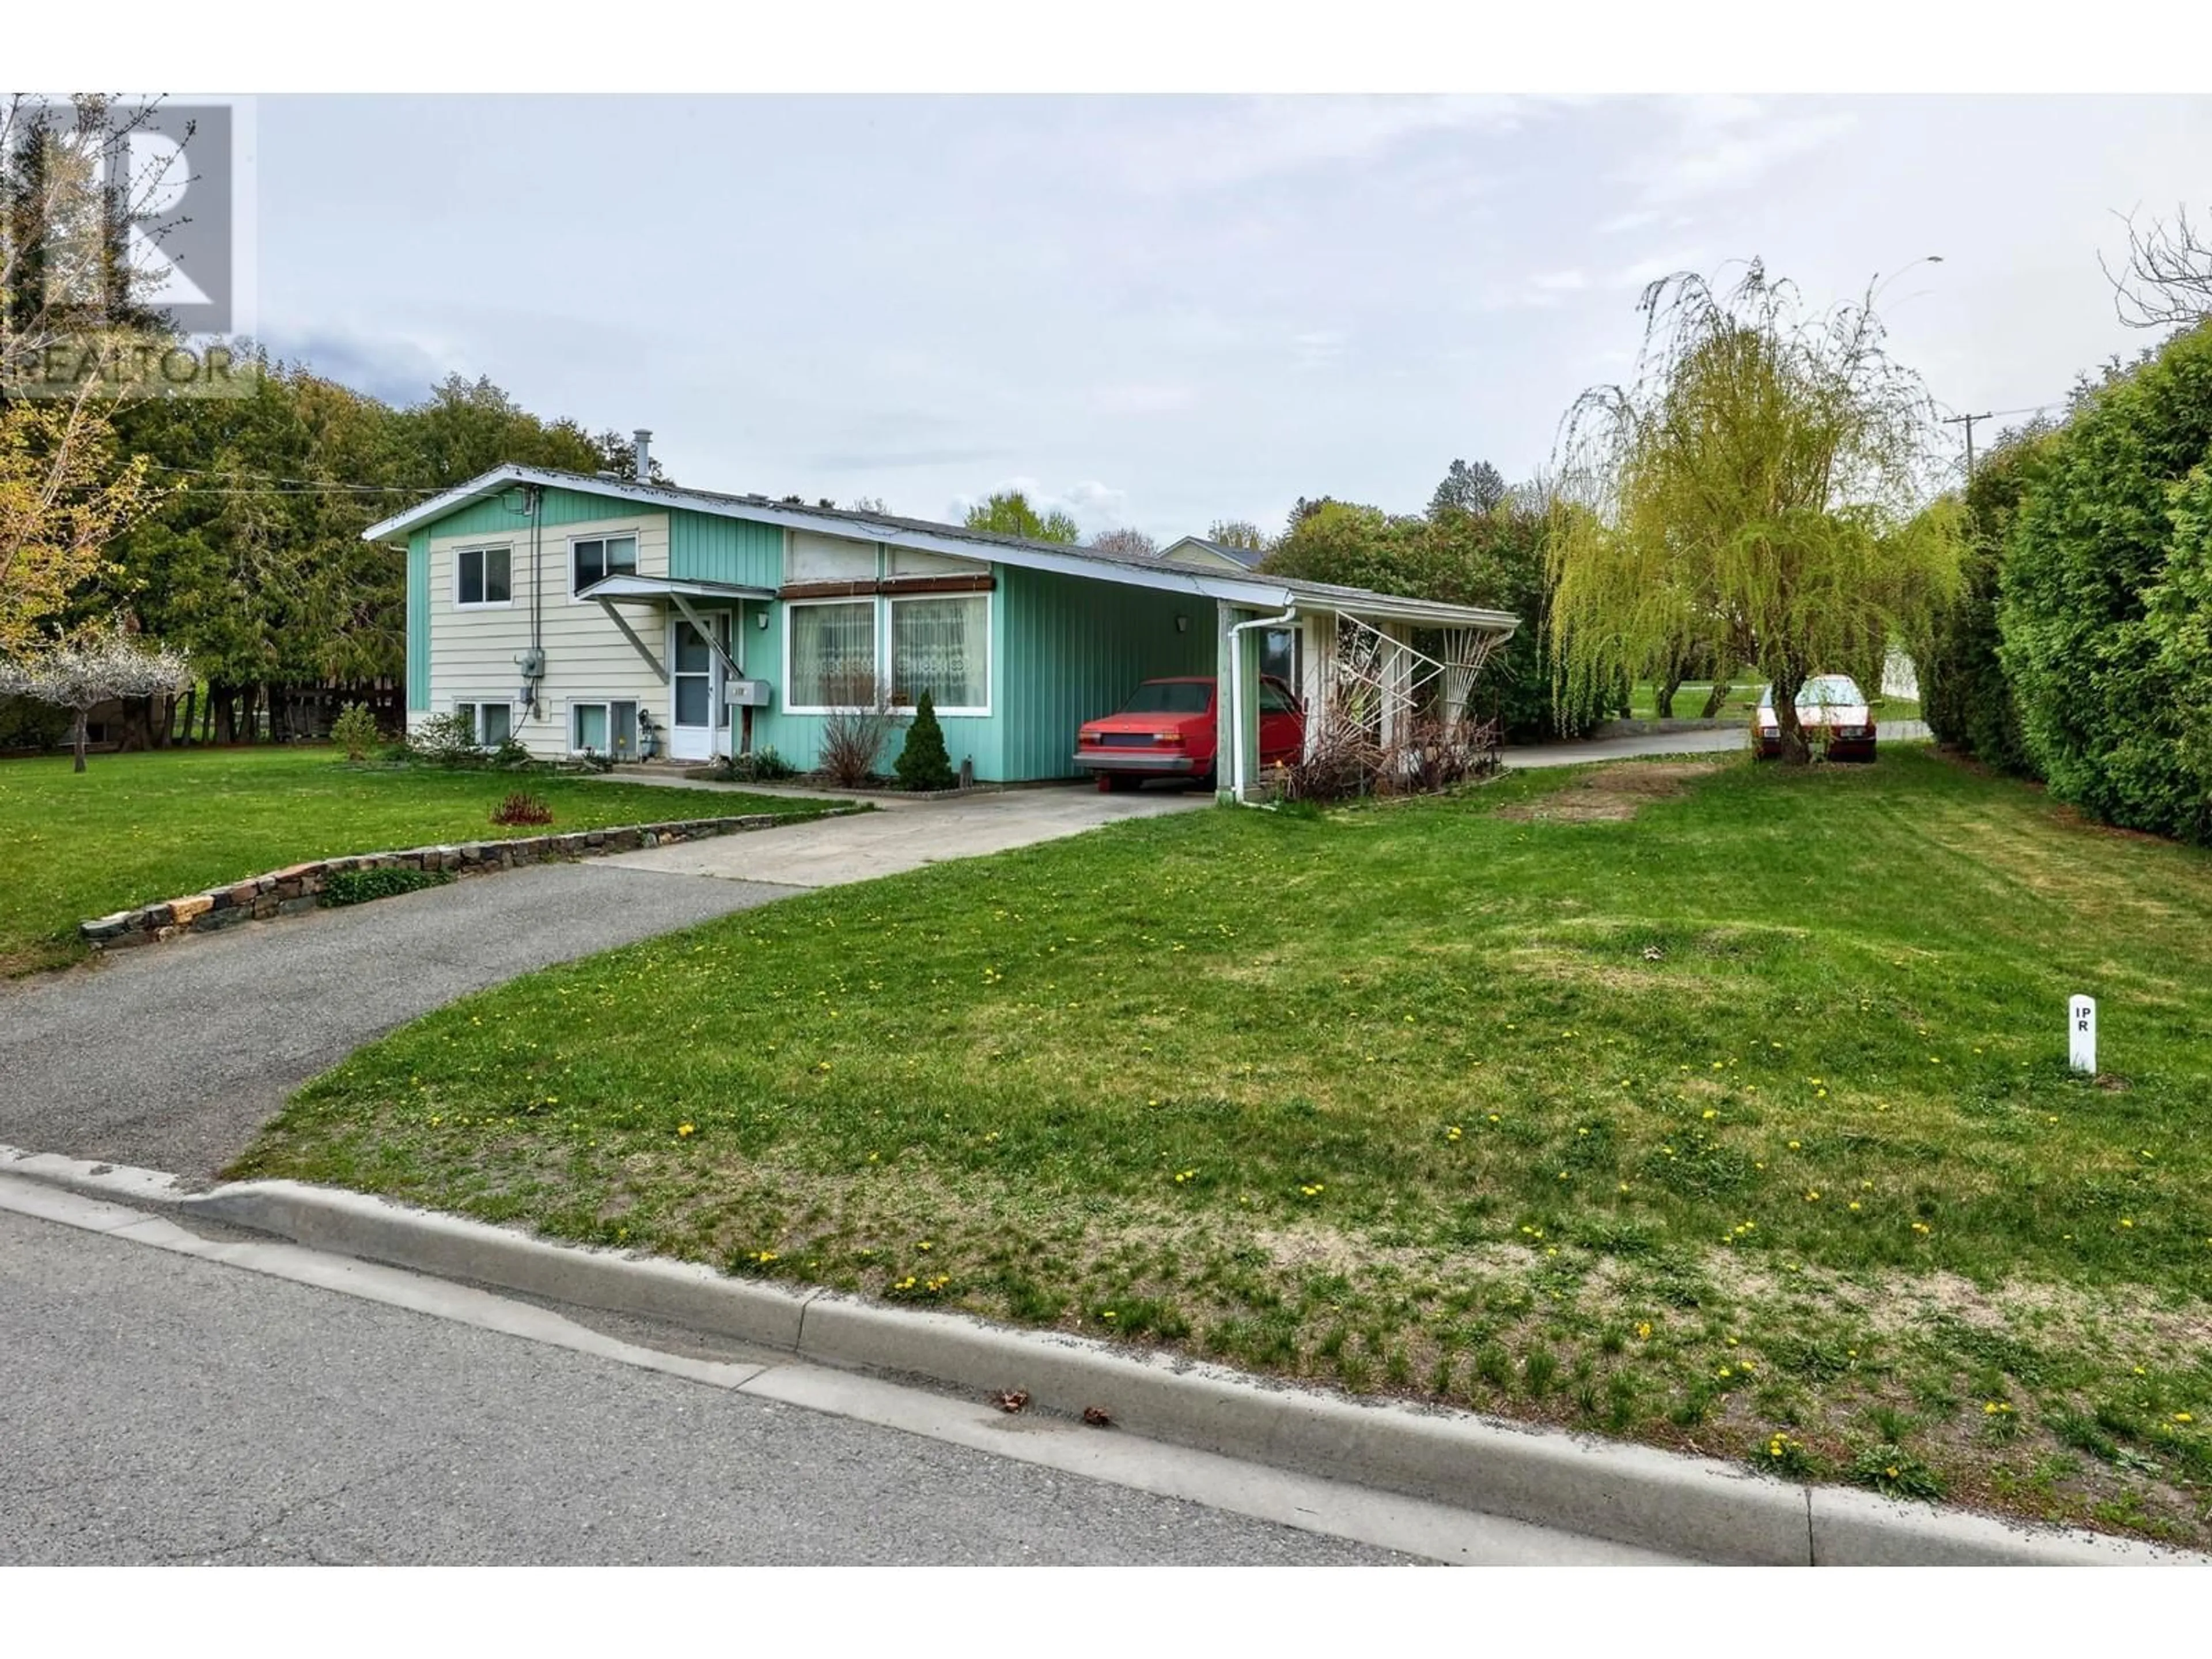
<point>1717,701</point>
<point>77,739</point>
<point>1787,684</point>
<point>1662,699</point>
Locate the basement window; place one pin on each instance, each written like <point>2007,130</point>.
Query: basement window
<point>603,728</point>
<point>492,722</point>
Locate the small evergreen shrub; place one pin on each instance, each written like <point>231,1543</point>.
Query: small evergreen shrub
<point>923,764</point>
<point>355,731</point>
<point>359,886</point>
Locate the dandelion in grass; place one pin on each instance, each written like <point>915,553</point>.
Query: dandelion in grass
<point>685,1130</point>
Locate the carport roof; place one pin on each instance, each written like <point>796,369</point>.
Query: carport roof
<point>1253,589</point>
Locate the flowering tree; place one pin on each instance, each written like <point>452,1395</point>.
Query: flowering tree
<point>73,277</point>
<point>82,674</point>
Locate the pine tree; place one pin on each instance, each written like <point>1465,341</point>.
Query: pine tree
<point>923,764</point>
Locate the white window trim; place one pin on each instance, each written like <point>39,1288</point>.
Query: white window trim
<point>462,699</point>
<point>570,705</point>
<point>583,596</point>
<point>506,603</point>
<point>885,648</point>
<point>792,606</point>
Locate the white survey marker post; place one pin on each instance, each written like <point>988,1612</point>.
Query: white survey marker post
<point>2081,1033</point>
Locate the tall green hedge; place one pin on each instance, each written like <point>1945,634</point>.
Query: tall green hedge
<point>1964,694</point>
<point>2103,605</point>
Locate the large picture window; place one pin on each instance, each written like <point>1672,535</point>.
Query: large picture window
<point>484,575</point>
<point>598,557</point>
<point>833,655</point>
<point>942,645</point>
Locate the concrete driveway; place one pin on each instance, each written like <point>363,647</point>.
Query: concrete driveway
<point>171,1056</point>
<point>906,834</point>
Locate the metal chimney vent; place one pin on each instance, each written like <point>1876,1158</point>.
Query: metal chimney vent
<point>643,441</point>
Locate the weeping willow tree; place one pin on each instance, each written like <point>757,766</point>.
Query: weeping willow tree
<point>1758,491</point>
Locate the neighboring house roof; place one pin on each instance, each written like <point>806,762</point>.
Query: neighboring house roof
<point>1198,549</point>
<point>1241,587</point>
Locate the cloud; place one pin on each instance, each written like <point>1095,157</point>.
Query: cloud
<point>1218,145</point>
<point>1634,220</point>
<point>868,461</point>
<point>1646,271</point>
<point>1722,144</point>
<point>1317,347</point>
<point>1159,398</point>
<point>1092,504</point>
<point>398,370</point>
<point>1538,291</point>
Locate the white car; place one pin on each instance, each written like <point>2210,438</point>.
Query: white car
<point>1832,711</point>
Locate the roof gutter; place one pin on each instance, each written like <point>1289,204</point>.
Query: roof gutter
<point>1238,771</point>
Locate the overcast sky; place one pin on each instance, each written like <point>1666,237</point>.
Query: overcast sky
<point>1158,312</point>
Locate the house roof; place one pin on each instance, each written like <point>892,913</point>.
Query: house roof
<point>1247,588</point>
<point>1246,557</point>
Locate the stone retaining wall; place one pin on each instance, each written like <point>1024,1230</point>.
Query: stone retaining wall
<point>298,887</point>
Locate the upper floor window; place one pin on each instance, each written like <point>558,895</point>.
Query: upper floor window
<point>598,557</point>
<point>484,575</point>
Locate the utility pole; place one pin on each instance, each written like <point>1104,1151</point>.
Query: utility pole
<point>1968,422</point>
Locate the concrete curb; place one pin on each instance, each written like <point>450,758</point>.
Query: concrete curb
<point>1635,1495</point>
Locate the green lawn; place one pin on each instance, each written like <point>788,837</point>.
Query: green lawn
<point>133,828</point>
<point>1741,1126</point>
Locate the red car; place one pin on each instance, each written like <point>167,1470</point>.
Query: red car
<point>1167,730</point>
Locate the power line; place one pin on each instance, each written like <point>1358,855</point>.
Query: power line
<point>301,484</point>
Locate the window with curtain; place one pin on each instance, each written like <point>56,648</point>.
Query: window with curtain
<point>833,655</point>
<point>942,645</point>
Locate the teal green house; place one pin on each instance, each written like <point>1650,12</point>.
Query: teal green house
<point>577,613</point>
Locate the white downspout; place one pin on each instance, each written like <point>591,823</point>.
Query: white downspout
<point>1237,757</point>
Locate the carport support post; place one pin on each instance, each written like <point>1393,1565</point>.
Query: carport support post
<point>1236,659</point>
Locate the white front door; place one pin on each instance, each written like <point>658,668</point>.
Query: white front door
<point>694,690</point>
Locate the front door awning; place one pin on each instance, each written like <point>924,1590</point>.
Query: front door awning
<point>630,589</point>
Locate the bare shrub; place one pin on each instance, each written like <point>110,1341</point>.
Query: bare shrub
<point>1434,756</point>
<point>522,807</point>
<point>1344,758</point>
<point>855,731</point>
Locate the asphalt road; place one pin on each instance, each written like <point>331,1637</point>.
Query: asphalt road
<point>171,1056</point>
<point>156,1407</point>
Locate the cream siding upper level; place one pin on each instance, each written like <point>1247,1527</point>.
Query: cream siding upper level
<point>473,649</point>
